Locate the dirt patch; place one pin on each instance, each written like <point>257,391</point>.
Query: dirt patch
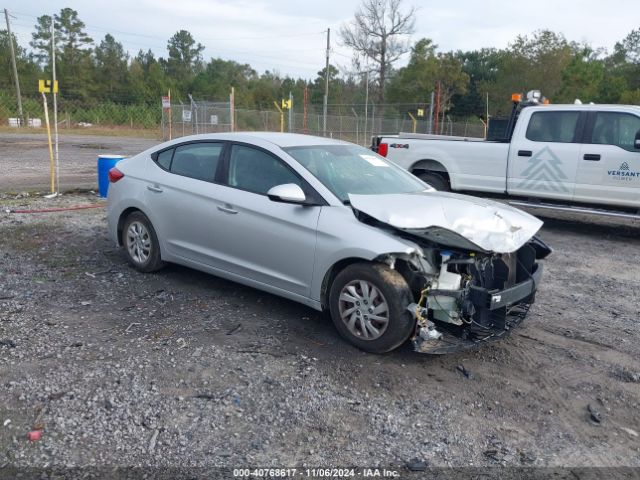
<point>181,368</point>
<point>26,163</point>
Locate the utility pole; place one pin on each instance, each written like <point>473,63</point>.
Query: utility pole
<point>15,69</point>
<point>326,86</point>
<point>55,101</point>
<point>366,101</point>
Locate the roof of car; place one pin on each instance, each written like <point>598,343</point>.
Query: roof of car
<point>279,139</point>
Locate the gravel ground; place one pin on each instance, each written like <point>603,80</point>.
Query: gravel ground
<point>183,369</point>
<point>25,159</point>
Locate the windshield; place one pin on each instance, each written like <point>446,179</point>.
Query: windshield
<point>346,169</point>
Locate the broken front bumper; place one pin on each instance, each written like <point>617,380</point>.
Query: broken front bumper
<point>502,310</point>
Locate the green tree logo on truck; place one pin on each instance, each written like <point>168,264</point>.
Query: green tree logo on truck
<point>544,173</point>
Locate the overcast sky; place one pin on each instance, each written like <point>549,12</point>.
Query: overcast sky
<point>289,36</point>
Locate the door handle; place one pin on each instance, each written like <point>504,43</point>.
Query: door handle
<point>227,209</point>
<point>525,153</point>
<point>154,188</point>
<point>592,156</point>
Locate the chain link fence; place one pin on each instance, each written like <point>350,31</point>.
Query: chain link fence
<point>357,126</point>
<point>355,123</point>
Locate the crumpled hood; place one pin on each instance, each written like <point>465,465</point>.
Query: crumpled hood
<point>489,225</point>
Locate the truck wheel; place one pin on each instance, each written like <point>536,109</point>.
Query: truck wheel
<point>368,303</point>
<point>435,180</point>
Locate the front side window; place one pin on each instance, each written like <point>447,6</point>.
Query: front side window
<point>558,127</point>
<point>614,128</point>
<point>196,160</point>
<point>257,171</point>
<point>346,169</point>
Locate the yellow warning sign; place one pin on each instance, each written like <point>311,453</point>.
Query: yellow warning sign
<point>421,112</point>
<point>287,103</point>
<point>44,86</point>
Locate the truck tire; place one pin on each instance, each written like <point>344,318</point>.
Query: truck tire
<point>435,180</point>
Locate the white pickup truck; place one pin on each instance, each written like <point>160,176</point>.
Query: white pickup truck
<point>585,154</point>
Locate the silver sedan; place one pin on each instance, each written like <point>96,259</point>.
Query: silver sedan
<point>336,227</point>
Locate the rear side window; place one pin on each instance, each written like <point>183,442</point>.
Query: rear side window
<point>559,127</point>
<point>196,160</point>
<point>615,128</point>
<point>257,171</point>
<point>164,159</point>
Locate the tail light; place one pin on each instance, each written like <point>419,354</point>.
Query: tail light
<point>383,149</point>
<point>115,175</point>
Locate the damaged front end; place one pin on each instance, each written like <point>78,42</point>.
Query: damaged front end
<point>472,298</point>
<point>477,270</point>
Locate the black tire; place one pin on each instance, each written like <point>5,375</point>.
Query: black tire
<point>436,180</point>
<point>152,261</point>
<point>397,295</point>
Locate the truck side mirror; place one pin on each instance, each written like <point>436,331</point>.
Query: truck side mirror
<point>636,143</point>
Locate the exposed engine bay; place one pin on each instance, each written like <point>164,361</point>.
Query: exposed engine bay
<point>464,299</point>
<point>464,295</point>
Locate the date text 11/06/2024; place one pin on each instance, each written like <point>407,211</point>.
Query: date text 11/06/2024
<point>314,473</point>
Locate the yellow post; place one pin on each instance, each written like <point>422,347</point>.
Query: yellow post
<point>484,124</point>
<point>414,121</point>
<point>169,95</point>
<point>281,116</point>
<point>51,162</point>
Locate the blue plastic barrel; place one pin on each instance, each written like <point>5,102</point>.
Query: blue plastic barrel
<point>106,163</point>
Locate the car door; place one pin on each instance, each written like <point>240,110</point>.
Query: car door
<point>609,171</point>
<point>543,158</point>
<point>181,195</point>
<point>264,240</point>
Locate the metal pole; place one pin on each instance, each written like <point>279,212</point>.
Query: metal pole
<point>373,118</point>
<point>51,160</point>
<point>326,86</point>
<point>232,109</point>
<point>170,114</point>
<point>194,127</point>
<point>357,129</point>
<point>431,113</point>
<point>290,112</point>
<point>15,69</point>
<point>55,101</point>
<point>305,119</point>
<point>366,102</point>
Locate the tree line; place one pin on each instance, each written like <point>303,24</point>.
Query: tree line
<point>92,70</point>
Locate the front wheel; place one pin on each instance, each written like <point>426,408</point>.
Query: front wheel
<point>141,243</point>
<point>368,304</point>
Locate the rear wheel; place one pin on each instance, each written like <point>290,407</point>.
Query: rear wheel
<point>368,304</point>
<point>437,181</point>
<point>141,243</point>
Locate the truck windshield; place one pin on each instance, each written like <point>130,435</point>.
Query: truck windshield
<point>346,169</point>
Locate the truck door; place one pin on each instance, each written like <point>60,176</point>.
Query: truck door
<point>609,165</point>
<point>543,157</point>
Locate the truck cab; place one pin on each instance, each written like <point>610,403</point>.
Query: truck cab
<point>579,153</point>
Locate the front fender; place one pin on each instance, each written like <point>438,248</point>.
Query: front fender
<point>342,236</point>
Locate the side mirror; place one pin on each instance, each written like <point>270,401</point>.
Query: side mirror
<point>636,143</point>
<point>287,193</point>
